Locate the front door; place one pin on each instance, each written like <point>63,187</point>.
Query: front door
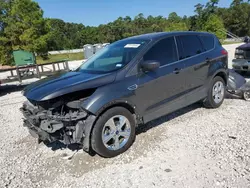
<point>158,89</point>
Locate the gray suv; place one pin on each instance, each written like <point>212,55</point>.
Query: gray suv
<point>130,82</point>
<point>241,63</point>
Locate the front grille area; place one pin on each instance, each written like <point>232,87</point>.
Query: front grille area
<point>247,54</point>
<point>245,67</point>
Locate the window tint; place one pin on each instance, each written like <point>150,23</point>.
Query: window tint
<point>208,42</point>
<point>191,46</point>
<point>217,41</point>
<point>164,52</point>
<point>180,48</point>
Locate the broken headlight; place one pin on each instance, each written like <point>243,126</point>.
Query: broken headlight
<point>76,104</point>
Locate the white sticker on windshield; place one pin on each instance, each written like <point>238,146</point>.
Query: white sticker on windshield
<point>132,46</point>
<point>118,65</point>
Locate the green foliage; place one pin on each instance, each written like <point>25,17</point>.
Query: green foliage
<point>176,23</point>
<point>237,17</point>
<point>63,35</point>
<point>59,57</point>
<point>215,25</point>
<point>203,13</point>
<point>22,26</point>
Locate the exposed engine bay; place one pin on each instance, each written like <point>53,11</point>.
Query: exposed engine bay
<point>60,119</point>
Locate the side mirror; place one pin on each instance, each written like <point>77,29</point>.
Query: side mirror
<point>150,65</point>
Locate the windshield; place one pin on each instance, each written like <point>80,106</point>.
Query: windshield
<point>114,56</point>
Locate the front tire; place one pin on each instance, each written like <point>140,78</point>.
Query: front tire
<point>216,93</point>
<point>113,132</point>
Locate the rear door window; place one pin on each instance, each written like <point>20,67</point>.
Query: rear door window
<point>189,45</point>
<point>163,51</point>
<point>208,42</point>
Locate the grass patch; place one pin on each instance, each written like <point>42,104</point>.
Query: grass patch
<point>59,57</point>
<point>233,42</point>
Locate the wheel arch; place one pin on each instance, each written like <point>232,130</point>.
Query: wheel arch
<point>223,75</point>
<point>125,104</point>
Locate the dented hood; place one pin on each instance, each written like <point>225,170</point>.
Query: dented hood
<point>62,84</point>
<point>244,46</point>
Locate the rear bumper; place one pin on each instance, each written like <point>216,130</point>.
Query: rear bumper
<point>241,64</point>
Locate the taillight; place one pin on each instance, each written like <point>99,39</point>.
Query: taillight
<point>224,52</point>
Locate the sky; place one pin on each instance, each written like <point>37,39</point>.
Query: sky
<point>96,12</point>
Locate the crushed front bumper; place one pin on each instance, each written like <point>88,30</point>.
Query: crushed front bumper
<point>71,128</point>
<point>241,64</point>
<point>38,133</point>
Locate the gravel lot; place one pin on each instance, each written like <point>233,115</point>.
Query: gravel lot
<point>193,147</point>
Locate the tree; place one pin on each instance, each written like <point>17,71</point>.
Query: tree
<point>215,25</point>
<point>176,27</point>
<point>23,28</point>
<point>203,12</point>
<point>239,18</point>
<point>175,23</point>
<point>236,2</point>
<point>57,39</point>
<point>174,18</point>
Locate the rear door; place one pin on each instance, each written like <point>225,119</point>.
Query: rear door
<point>193,55</point>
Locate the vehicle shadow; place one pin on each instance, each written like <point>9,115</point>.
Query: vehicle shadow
<point>6,89</point>
<point>145,127</point>
<point>231,96</point>
<point>58,145</point>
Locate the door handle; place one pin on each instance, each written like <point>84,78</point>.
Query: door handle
<point>176,71</point>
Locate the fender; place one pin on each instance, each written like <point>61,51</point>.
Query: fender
<point>102,99</point>
<point>111,94</point>
<point>105,97</point>
<point>218,68</point>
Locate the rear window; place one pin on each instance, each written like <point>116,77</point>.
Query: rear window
<point>208,42</point>
<point>189,45</point>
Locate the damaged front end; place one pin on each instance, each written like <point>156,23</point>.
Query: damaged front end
<point>58,120</point>
<point>58,106</point>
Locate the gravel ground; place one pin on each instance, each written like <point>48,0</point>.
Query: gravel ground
<point>193,147</point>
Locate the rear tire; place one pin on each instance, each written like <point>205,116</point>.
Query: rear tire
<point>246,95</point>
<point>113,132</point>
<point>216,93</point>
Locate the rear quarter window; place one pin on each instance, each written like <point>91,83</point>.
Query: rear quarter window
<point>207,41</point>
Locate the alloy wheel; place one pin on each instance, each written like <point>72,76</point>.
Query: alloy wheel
<point>218,92</point>
<point>116,132</point>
